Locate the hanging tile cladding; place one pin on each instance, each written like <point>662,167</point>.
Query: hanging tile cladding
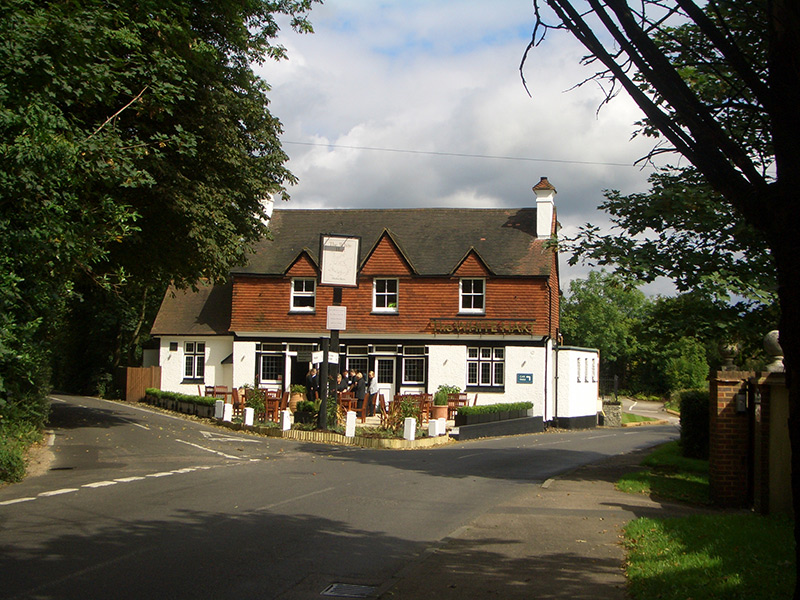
<point>262,304</point>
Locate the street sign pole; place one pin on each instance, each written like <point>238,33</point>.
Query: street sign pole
<point>339,261</point>
<point>324,369</point>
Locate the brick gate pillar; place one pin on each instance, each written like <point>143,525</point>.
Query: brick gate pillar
<point>730,440</point>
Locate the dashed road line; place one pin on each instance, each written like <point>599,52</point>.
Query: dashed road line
<point>16,501</point>
<point>57,492</point>
<point>108,483</point>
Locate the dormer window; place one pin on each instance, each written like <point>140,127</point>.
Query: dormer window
<point>384,295</point>
<point>303,295</point>
<point>473,296</point>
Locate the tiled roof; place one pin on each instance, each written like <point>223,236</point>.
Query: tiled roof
<point>434,240</point>
<point>204,312</point>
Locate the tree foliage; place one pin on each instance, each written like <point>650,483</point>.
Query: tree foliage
<point>681,229</point>
<point>135,147</point>
<point>719,83</point>
<point>604,312</point>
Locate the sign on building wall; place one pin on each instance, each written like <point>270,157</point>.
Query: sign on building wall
<point>524,377</point>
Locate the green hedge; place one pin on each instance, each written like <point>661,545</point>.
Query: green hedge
<point>494,408</point>
<point>201,400</point>
<point>695,423</point>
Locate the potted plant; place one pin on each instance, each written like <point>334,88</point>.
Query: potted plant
<point>440,400</point>
<point>297,393</point>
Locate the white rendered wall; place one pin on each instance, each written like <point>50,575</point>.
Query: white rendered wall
<point>244,363</point>
<point>448,365</point>
<point>172,362</point>
<point>578,387</point>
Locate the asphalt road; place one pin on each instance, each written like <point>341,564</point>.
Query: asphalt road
<point>139,504</point>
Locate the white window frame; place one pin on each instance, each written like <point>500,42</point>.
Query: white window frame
<point>385,295</point>
<point>471,295</point>
<point>488,367</point>
<point>280,364</point>
<point>415,354</point>
<point>194,360</point>
<point>304,294</point>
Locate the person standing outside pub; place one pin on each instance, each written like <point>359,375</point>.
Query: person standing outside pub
<point>312,385</point>
<point>360,388</point>
<point>372,390</point>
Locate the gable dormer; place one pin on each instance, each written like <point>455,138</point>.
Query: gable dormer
<point>386,258</point>
<point>472,265</point>
<point>302,266</point>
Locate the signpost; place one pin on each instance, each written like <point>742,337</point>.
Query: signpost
<point>339,262</point>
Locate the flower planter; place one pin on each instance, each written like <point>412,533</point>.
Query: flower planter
<point>439,411</point>
<point>294,399</point>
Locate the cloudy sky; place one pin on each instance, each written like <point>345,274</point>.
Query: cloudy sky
<point>416,103</point>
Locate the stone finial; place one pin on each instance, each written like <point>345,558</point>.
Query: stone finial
<point>774,352</point>
<point>728,351</point>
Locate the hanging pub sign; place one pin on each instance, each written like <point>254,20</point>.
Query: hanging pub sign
<point>339,255</point>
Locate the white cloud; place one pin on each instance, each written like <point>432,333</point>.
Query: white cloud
<point>443,78</point>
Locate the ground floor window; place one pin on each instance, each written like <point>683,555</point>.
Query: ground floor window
<point>486,367</point>
<point>194,360</point>
<point>272,367</point>
<point>414,363</point>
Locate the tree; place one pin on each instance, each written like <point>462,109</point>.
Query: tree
<point>719,82</point>
<point>683,230</point>
<point>135,147</point>
<point>603,312</point>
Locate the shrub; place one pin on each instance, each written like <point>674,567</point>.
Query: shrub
<point>685,364</point>
<point>21,424</point>
<point>493,408</point>
<point>201,400</point>
<point>694,423</point>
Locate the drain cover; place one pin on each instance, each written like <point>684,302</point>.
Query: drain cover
<point>348,590</point>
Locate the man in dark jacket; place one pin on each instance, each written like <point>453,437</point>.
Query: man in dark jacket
<point>360,389</point>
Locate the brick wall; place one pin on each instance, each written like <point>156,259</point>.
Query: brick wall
<point>729,468</point>
<point>262,303</point>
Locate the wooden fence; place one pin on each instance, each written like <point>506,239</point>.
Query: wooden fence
<point>135,380</point>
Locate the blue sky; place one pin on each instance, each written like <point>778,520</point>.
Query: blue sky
<point>440,79</point>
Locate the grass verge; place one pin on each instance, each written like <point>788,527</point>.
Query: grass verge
<point>737,557</point>
<point>670,476</point>
<point>732,556</point>
<point>631,418</point>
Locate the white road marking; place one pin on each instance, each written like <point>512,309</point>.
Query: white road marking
<point>58,492</point>
<point>296,498</point>
<point>16,501</point>
<point>101,484</point>
<point>209,450</point>
<point>218,437</point>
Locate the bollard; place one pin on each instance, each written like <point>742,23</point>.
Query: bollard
<point>442,426</point>
<point>434,428</point>
<point>350,424</point>
<point>248,416</point>
<point>410,429</point>
<point>218,408</point>
<point>227,412</point>
<point>286,419</point>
